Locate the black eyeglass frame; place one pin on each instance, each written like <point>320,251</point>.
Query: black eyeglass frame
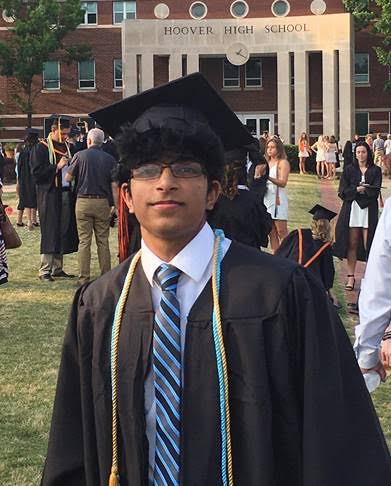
<point>172,167</point>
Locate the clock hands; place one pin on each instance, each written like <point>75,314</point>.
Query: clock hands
<point>239,53</point>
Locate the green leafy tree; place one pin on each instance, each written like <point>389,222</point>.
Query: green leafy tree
<point>38,31</point>
<point>375,15</point>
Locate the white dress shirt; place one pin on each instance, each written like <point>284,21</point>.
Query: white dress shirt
<point>375,296</point>
<point>195,262</point>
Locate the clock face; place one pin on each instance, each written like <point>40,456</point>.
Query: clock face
<point>237,54</point>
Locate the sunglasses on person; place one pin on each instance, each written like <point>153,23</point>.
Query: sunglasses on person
<point>182,170</point>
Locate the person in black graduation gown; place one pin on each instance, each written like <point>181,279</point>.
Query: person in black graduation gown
<point>299,411</point>
<point>258,171</point>
<point>26,183</point>
<point>55,199</point>
<point>239,212</point>
<point>311,247</point>
<point>359,189</point>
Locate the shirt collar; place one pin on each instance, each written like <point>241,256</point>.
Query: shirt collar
<point>192,260</point>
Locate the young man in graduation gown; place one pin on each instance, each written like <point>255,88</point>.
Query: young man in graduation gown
<point>55,199</point>
<point>273,397</point>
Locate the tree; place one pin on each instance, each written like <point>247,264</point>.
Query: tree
<point>38,31</point>
<point>375,15</point>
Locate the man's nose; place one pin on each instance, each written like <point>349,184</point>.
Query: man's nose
<point>167,181</point>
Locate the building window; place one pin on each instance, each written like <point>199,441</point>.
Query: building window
<point>280,8</point>
<point>123,11</point>
<point>231,75</point>
<point>86,74</point>
<point>361,69</point>
<point>362,123</point>
<point>198,10</point>
<point>253,73</point>
<point>90,13</point>
<point>51,75</point>
<point>239,9</point>
<point>161,11</point>
<point>118,73</point>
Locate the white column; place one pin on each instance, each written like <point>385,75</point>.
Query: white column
<point>284,96</point>
<point>175,66</point>
<point>129,74</point>
<point>147,80</point>
<point>193,63</point>
<point>330,92</point>
<point>301,93</point>
<point>346,94</point>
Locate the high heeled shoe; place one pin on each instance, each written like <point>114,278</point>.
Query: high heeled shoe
<point>349,287</point>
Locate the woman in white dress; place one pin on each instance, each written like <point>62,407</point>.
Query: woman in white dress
<point>304,152</point>
<point>319,147</point>
<point>276,199</point>
<point>331,156</point>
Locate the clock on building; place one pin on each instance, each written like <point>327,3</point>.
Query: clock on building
<point>238,54</point>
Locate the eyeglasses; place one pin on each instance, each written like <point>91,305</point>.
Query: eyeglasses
<point>182,170</point>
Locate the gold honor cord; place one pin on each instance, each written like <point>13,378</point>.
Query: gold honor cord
<point>114,475</point>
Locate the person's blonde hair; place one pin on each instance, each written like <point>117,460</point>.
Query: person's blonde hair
<point>321,230</point>
<point>281,154</point>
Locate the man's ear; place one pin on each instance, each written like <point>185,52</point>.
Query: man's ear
<point>214,191</point>
<point>127,196</point>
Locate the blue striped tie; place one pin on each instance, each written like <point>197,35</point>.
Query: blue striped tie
<point>167,368</point>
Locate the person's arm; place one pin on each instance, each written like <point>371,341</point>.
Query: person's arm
<point>73,169</point>
<point>115,191</point>
<point>385,352</point>
<point>375,295</point>
<point>373,192</point>
<point>314,147</point>
<point>283,174</point>
<point>347,190</point>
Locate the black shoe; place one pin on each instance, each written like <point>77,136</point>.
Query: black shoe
<point>20,225</point>
<point>36,225</point>
<point>62,274</point>
<point>46,278</point>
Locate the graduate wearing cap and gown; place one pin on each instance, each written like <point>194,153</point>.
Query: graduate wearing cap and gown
<point>311,247</point>
<point>239,212</point>
<point>26,183</point>
<point>55,199</point>
<point>263,388</point>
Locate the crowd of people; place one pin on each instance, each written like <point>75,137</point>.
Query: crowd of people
<point>194,314</point>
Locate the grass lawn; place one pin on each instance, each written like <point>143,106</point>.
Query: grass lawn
<point>33,319</point>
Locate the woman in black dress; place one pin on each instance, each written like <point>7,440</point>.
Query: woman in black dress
<point>359,189</point>
<point>240,213</point>
<point>26,184</point>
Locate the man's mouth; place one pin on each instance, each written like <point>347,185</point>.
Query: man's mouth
<point>167,204</point>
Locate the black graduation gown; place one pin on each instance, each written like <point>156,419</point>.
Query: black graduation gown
<point>347,191</point>
<point>244,218</point>
<point>322,268</point>
<point>300,412</point>
<point>58,234</point>
<point>27,190</point>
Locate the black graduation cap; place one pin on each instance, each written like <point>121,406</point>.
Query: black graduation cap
<point>172,100</point>
<point>320,212</point>
<point>60,120</point>
<point>31,132</point>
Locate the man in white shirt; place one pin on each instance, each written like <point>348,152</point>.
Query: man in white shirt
<point>375,300</point>
<point>201,361</point>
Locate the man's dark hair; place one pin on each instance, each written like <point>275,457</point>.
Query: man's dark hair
<point>182,141</point>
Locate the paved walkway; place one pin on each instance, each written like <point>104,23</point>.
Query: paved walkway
<point>330,199</point>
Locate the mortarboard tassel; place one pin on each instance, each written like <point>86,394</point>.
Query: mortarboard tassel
<point>123,230</point>
<point>114,478</point>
